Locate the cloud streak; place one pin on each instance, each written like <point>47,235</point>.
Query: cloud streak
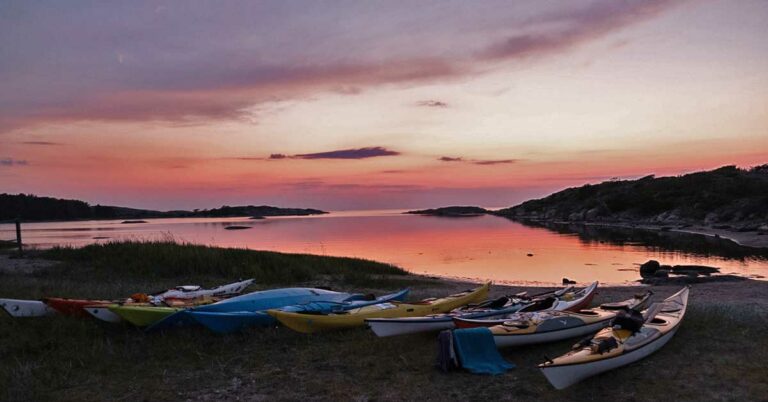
<point>482,162</point>
<point>8,162</point>
<point>432,103</point>
<point>160,78</point>
<point>353,153</point>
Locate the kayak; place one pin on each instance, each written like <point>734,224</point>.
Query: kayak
<point>73,307</point>
<point>383,327</point>
<point>312,322</point>
<point>77,307</point>
<point>228,322</point>
<point>141,316</point>
<point>144,314</point>
<point>102,313</point>
<point>573,300</point>
<point>193,291</point>
<point>25,308</point>
<point>254,302</point>
<point>551,326</point>
<point>628,340</point>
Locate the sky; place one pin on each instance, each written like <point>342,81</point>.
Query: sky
<point>377,104</point>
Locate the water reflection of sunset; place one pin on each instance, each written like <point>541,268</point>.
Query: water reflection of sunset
<point>479,248</point>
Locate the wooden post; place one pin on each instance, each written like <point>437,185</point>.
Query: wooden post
<point>18,236</point>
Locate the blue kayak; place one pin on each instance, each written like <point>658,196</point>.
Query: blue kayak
<point>233,314</point>
<point>233,321</point>
<point>255,301</point>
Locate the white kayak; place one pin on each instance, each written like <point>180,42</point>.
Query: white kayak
<point>551,326</point>
<point>384,327</point>
<point>618,346</point>
<point>26,308</point>
<point>193,291</point>
<point>102,313</point>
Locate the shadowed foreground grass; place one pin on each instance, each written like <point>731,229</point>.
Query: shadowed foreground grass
<point>718,354</point>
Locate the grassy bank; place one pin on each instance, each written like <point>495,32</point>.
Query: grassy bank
<point>118,269</point>
<point>718,354</point>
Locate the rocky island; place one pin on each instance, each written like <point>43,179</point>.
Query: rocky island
<point>453,211</point>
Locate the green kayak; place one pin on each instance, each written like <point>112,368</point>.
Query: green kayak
<point>142,316</point>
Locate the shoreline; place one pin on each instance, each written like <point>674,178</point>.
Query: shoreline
<point>749,239</point>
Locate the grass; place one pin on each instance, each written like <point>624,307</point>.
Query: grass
<point>7,244</point>
<point>718,354</point>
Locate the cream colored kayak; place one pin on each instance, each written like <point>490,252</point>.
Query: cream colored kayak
<point>309,323</point>
<point>551,326</point>
<point>615,347</point>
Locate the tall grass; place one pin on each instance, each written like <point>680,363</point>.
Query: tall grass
<point>168,259</point>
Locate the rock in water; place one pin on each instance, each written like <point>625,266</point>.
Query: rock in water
<point>235,227</point>
<point>649,269</point>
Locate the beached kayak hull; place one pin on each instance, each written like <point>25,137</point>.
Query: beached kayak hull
<point>310,323</point>
<point>661,322</point>
<point>26,308</point>
<point>562,377</point>
<point>505,341</point>
<point>102,313</point>
<point>73,307</point>
<point>142,316</point>
<point>384,327</point>
<point>226,323</point>
<point>251,302</point>
<point>583,301</point>
<point>192,292</point>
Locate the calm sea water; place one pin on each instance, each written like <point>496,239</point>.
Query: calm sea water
<point>485,247</point>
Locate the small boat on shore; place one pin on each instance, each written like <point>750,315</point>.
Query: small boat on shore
<point>628,340</point>
<point>312,322</point>
<point>249,309</point>
<point>551,326</point>
<point>228,322</point>
<point>569,301</point>
<point>144,314</point>
<point>383,327</point>
<point>98,308</point>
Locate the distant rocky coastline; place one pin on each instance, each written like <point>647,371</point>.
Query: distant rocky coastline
<point>453,211</point>
<point>727,198</point>
<point>34,208</point>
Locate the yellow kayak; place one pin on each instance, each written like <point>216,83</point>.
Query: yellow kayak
<point>309,323</point>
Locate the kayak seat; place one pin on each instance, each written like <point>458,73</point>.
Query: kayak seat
<point>629,320</point>
<point>615,306</point>
<point>498,303</point>
<point>541,304</point>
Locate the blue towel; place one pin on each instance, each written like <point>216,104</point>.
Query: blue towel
<point>478,353</point>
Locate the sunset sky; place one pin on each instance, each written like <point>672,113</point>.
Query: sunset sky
<point>363,104</point>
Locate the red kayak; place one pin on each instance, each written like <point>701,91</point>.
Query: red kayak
<point>73,307</point>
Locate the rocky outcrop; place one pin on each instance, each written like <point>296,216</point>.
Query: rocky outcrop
<point>728,196</point>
